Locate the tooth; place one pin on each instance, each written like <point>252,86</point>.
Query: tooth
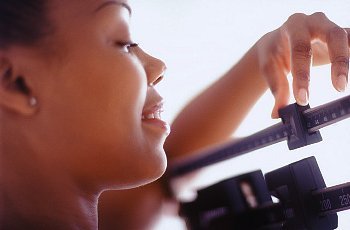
<point>150,116</point>
<point>157,115</point>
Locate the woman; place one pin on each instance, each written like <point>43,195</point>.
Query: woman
<point>79,112</point>
<point>302,39</point>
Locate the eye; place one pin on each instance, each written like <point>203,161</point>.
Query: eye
<point>126,46</point>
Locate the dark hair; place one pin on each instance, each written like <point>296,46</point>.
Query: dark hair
<point>22,22</point>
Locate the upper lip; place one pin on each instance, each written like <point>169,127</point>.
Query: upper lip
<point>153,109</point>
<point>153,105</point>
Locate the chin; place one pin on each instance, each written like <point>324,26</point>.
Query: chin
<point>146,173</point>
<point>156,168</point>
<point>155,172</point>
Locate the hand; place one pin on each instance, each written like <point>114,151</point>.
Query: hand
<point>301,41</point>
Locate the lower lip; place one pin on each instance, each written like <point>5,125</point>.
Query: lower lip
<point>158,124</point>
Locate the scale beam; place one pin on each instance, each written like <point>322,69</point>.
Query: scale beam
<point>299,126</point>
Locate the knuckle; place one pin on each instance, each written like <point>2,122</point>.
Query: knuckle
<point>337,33</point>
<point>302,76</point>
<point>296,17</point>
<point>319,16</point>
<point>342,61</point>
<point>302,49</point>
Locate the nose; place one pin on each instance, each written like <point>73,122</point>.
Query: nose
<point>154,67</point>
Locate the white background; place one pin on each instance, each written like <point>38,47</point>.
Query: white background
<point>200,39</point>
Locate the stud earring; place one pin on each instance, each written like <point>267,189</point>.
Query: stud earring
<point>32,101</point>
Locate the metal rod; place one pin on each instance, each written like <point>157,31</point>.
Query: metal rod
<point>315,118</point>
<point>271,135</point>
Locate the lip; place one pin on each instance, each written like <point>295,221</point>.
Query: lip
<point>158,124</point>
<point>154,110</point>
<point>152,116</point>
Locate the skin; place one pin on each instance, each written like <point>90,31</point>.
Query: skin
<point>300,42</point>
<point>88,132</point>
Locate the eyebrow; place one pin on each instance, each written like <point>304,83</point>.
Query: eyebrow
<point>107,3</point>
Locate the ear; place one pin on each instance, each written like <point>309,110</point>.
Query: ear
<point>15,95</point>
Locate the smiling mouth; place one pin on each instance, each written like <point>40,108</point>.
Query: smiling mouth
<point>152,116</point>
<point>153,113</point>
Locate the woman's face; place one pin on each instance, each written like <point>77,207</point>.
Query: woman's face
<point>99,109</point>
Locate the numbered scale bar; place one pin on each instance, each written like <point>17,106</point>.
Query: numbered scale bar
<point>333,199</point>
<point>274,134</point>
<point>299,126</point>
<point>327,114</point>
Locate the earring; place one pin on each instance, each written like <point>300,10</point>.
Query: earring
<point>32,101</point>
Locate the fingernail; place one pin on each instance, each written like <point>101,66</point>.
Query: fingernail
<point>303,98</point>
<point>342,83</point>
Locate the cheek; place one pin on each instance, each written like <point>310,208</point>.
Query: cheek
<point>124,92</point>
<point>102,97</point>
<point>118,95</point>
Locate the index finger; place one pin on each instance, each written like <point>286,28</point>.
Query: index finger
<point>301,54</point>
<point>337,40</point>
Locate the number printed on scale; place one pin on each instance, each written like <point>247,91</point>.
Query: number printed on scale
<point>326,204</point>
<point>344,200</point>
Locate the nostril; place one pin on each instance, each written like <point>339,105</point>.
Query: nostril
<point>155,82</point>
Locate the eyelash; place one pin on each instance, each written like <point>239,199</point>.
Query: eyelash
<point>126,46</point>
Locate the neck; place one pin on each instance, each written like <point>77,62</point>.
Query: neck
<point>41,198</point>
<point>60,216</point>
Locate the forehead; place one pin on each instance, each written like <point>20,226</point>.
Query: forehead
<point>122,4</point>
<point>74,20</point>
<point>83,8</point>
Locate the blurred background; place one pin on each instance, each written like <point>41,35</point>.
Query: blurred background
<point>201,39</point>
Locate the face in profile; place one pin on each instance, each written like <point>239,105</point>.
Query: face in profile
<point>98,117</point>
<point>105,96</point>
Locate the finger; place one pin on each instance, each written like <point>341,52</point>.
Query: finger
<point>348,32</point>
<point>339,56</point>
<point>281,98</point>
<point>338,47</point>
<point>301,54</point>
<point>279,86</point>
